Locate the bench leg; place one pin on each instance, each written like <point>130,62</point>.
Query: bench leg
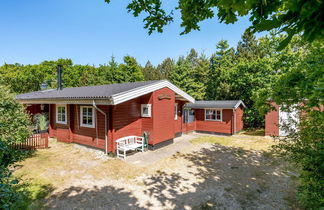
<point>124,154</point>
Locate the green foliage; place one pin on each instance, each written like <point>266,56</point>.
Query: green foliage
<point>306,148</point>
<point>292,17</point>
<point>14,124</point>
<point>301,81</point>
<point>41,121</point>
<point>191,74</point>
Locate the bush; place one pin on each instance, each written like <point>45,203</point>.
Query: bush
<point>14,128</point>
<point>306,148</point>
<point>252,118</point>
<point>41,122</point>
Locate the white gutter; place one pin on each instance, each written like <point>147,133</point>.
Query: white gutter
<point>106,126</point>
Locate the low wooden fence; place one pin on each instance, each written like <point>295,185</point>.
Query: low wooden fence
<point>36,141</point>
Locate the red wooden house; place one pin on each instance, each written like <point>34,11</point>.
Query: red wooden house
<point>99,115</point>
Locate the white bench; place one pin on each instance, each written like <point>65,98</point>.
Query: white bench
<point>129,143</point>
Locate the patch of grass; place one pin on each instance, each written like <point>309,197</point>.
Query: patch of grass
<point>253,132</point>
<point>34,190</point>
<point>116,169</point>
<point>243,142</point>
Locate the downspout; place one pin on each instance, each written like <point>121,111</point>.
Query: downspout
<point>106,125</point>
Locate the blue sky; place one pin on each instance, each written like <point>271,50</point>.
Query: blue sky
<point>91,31</point>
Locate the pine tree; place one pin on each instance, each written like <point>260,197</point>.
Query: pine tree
<point>130,71</point>
<point>150,72</point>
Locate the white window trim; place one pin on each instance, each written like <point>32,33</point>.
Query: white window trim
<point>221,114</point>
<point>56,108</point>
<point>93,117</point>
<point>176,111</point>
<point>149,107</point>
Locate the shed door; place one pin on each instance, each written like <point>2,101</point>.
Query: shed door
<point>288,121</point>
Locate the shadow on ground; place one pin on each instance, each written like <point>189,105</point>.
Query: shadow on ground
<point>226,178</point>
<point>97,198</point>
<point>215,177</point>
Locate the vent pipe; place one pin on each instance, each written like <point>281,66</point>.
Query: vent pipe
<point>59,77</point>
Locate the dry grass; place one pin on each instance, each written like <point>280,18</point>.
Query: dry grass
<point>62,159</point>
<point>239,141</point>
<point>59,166</point>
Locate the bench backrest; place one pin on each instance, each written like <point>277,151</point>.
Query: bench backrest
<point>127,140</point>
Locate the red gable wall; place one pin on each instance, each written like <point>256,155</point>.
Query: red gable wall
<point>272,122</point>
<point>163,116</point>
<point>239,118</point>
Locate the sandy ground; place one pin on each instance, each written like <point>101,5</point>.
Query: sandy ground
<point>191,176</point>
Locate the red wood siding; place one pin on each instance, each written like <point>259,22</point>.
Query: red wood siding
<point>94,137</point>
<point>33,109</point>
<point>60,131</point>
<point>126,119</point>
<point>189,127</point>
<point>225,126</point>
<point>163,116</point>
<point>272,122</point>
<point>239,118</point>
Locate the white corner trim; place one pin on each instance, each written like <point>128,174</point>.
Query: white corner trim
<point>239,103</point>
<point>56,114</point>
<point>134,93</point>
<point>93,117</point>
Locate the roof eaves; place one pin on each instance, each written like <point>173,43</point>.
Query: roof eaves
<point>239,103</point>
<point>136,92</point>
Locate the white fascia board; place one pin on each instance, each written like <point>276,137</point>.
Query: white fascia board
<point>239,103</point>
<point>128,95</point>
<point>76,101</point>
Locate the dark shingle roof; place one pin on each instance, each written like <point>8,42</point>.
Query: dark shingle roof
<point>87,92</point>
<point>222,104</point>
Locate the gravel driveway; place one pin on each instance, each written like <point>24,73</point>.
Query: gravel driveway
<point>201,176</point>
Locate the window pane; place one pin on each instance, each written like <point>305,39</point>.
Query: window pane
<point>63,117</point>
<point>89,121</point>
<point>145,110</point>
<point>90,111</point>
<point>84,120</point>
<point>59,118</point>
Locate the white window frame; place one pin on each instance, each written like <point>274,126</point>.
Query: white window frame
<point>149,107</point>
<point>93,117</point>
<point>221,115</point>
<point>65,113</point>
<point>176,111</point>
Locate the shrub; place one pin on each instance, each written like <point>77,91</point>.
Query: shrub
<point>41,122</point>
<point>14,127</point>
<point>306,148</point>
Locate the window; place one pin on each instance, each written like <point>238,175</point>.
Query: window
<point>213,114</point>
<point>87,116</point>
<point>175,111</point>
<point>146,110</point>
<point>61,114</point>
